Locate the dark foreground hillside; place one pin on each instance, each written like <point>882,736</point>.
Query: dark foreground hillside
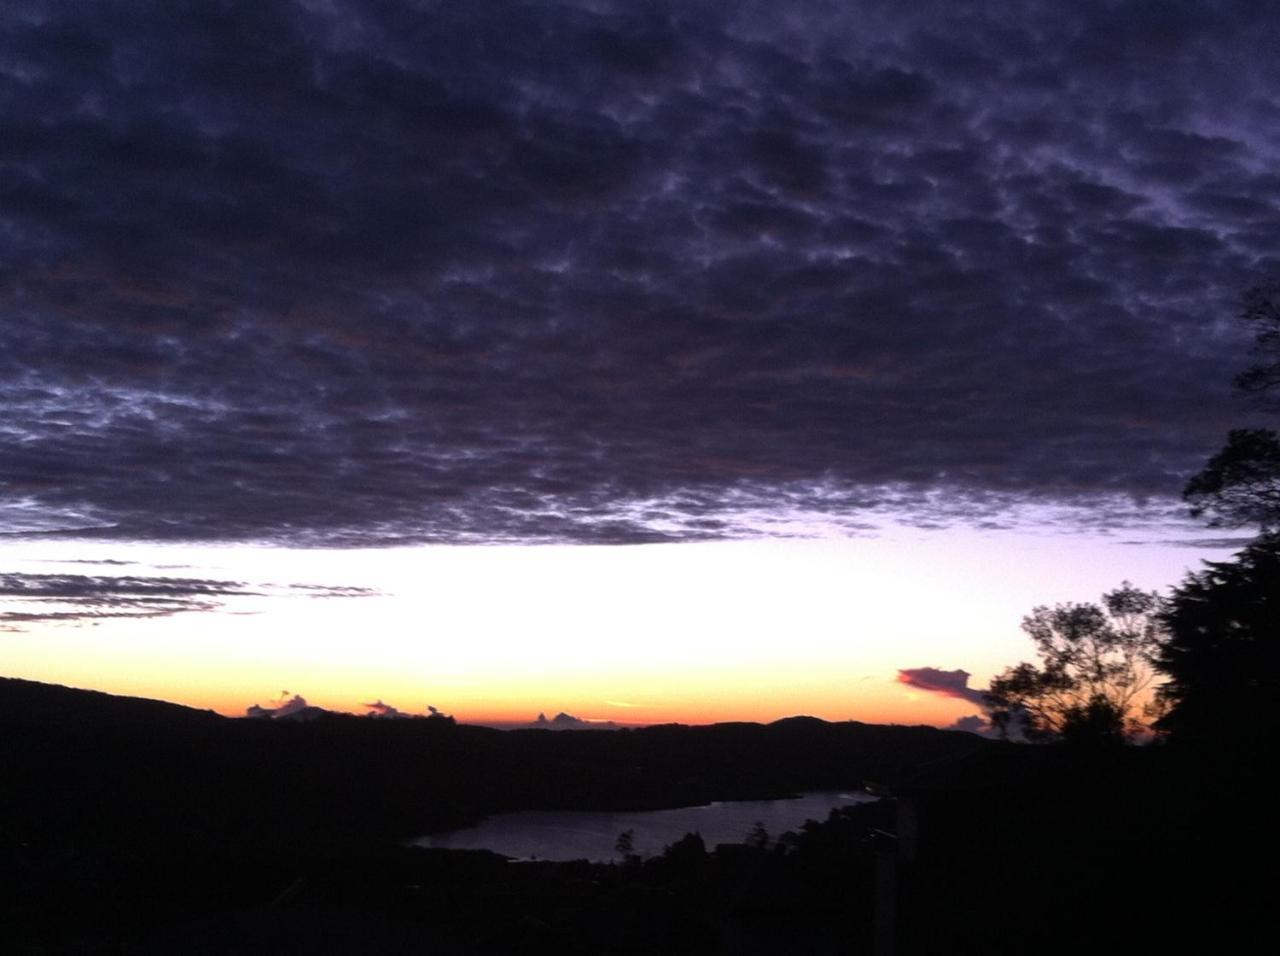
<point>138,827</point>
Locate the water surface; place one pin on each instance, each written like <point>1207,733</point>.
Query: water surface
<point>573,835</point>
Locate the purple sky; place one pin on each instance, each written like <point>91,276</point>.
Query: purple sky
<point>366,272</point>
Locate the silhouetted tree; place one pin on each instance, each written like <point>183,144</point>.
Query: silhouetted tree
<point>758,838</point>
<point>1222,656</point>
<point>625,847</point>
<point>1096,661</point>
<point>689,851</point>
<point>1224,622</point>
<point>1240,485</point>
<point>1262,311</point>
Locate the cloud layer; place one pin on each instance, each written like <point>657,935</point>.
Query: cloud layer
<point>352,272</point>
<point>27,598</point>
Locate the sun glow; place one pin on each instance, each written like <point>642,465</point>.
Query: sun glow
<point>745,630</point>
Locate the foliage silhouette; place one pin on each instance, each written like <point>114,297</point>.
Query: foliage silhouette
<point>1222,656</point>
<point>625,847</point>
<point>1096,660</point>
<point>1240,485</point>
<point>1223,622</point>
<point>759,837</point>
<point>689,851</point>
<point>1262,310</point>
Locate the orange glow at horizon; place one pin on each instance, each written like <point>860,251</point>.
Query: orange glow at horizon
<point>687,633</point>
<point>743,697</point>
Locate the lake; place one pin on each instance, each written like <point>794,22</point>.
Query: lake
<point>569,835</point>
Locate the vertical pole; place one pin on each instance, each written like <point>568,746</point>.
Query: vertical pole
<point>884,920</point>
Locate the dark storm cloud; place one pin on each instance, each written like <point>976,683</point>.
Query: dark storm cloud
<point>346,272</point>
<point>78,598</point>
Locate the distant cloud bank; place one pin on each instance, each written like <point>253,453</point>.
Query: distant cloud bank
<point>295,707</point>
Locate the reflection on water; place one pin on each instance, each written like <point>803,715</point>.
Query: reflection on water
<point>547,835</point>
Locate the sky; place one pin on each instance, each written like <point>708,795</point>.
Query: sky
<point>683,341</point>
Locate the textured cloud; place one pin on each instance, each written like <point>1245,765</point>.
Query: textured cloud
<point>286,708</point>
<point>948,683</point>
<point>379,709</point>
<point>563,721</point>
<point>973,724</point>
<point>351,272</point>
<point>77,598</point>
